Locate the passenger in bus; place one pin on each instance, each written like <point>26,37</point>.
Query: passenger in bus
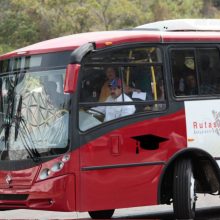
<point>180,71</point>
<point>116,95</point>
<point>141,82</point>
<point>111,73</point>
<point>191,85</point>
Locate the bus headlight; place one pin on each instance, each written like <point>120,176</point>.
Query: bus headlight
<point>45,173</point>
<point>66,158</point>
<point>57,166</point>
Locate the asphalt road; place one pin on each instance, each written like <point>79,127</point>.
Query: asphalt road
<point>208,207</point>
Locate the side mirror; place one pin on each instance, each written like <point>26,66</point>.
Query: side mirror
<point>71,78</point>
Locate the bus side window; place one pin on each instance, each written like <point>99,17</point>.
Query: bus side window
<point>132,80</point>
<point>183,72</point>
<point>146,84</point>
<point>209,69</point>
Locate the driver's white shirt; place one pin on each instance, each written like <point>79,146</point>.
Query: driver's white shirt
<point>113,112</point>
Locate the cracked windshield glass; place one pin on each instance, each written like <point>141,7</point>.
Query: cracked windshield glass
<point>34,110</point>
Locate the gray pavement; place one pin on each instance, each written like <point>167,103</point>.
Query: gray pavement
<point>204,201</point>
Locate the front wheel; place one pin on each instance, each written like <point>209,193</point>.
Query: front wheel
<point>184,197</point>
<point>103,214</point>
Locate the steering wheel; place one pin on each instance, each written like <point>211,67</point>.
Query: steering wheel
<point>97,114</point>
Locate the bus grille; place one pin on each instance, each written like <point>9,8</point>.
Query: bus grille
<point>13,196</point>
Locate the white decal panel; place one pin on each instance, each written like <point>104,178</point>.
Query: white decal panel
<point>203,125</point>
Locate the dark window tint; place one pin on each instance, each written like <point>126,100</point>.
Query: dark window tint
<point>128,55</point>
<point>209,71</point>
<point>35,62</point>
<point>4,66</point>
<point>195,71</point>
<point>184,72</point>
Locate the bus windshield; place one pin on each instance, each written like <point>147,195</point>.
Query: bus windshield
<point>34,113</point>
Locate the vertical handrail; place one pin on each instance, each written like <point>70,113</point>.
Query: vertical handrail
<point>128,70</point>
<point>153,78</point>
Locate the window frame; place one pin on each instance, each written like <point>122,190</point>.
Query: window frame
<point>124,64</point>
<point>193,47</point>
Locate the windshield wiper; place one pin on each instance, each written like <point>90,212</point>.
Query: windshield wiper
<point>33,153</point>
<point>9,113</point>
<point>18,118</point>
<point>18,121</point>
<point>25,135</point>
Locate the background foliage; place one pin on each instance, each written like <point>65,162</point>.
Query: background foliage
<point>23,22</point>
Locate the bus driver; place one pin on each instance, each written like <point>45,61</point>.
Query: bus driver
<point>113,112</point>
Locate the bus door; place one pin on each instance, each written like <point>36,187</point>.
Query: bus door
<point>123,142</point>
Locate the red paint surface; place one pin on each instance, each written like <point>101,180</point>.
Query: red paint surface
<point>73,41</point>
<point>130,186</point>
<point>74,189</point>
<point>51,194</point>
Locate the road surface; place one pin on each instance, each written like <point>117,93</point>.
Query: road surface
<point>208,207</point>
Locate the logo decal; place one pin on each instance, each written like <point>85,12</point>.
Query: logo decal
<point>203,125</point>
<point>8,179</point>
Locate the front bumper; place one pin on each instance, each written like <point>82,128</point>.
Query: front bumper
<point>55,194</point>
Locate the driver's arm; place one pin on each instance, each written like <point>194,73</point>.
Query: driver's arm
<point>127,110</point>
<point>101,109</point>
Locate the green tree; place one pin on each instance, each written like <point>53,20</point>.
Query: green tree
<point>25,22</point>
<point>114,14</point>
<point>169,9</point>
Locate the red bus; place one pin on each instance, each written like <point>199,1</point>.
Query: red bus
<point>108,120</point>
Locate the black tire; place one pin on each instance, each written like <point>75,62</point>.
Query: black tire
<point>103,214</point>
<point>184,197</point>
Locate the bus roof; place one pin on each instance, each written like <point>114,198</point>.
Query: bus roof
<point>182,30</point>
<point>73,41</point>
<point>184,25</point>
